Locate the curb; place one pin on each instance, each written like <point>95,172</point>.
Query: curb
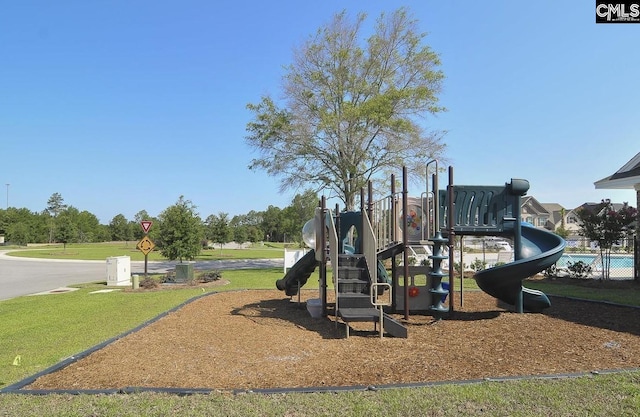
<point>17,388</point>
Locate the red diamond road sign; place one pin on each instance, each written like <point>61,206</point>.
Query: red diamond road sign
<point>146,225</point>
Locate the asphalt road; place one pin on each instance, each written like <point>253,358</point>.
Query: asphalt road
<point>24,276</point>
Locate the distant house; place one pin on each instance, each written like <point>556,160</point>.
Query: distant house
<point>533,212</point>
<point>563,217</point>
<point>549,216</point>
<point>593,207</point>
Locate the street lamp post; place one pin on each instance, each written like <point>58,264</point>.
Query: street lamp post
<point>7,195</point>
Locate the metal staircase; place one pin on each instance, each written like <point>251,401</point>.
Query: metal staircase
<point>357,297</point>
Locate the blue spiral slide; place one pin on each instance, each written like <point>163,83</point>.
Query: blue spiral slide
<point>540,250</point>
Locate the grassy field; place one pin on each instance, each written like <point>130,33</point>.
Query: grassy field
<point>101,251</point>
<point>42,330</point>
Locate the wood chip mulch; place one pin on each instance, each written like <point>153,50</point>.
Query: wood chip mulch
<point>262,339</point>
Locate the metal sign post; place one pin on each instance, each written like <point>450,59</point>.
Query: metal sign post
<point>145,245</point>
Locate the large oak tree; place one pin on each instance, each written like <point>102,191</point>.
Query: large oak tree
<point>353,108</point>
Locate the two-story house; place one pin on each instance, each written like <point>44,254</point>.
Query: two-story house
<point>550,216</point>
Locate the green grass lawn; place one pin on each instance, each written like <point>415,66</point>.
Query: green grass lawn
<point>43,330</point>
<point>621,292</point>
<point>102,251</point>
<point>602,395</point>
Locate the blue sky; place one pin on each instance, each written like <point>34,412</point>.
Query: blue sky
<point>121,106</point>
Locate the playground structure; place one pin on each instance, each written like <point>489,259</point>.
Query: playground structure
<point>359,243</point>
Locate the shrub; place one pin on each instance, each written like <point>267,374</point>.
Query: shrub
<point>551,272</point>
<point>149,283</point>
<point>579,269</point>
<point>478,265</point>
<point>210,276</point>
<point>169,276</point>
<point>459,267</point>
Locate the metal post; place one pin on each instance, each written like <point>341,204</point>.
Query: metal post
<point>362,225</point>
<point>393,221</point>
<point>434,187</point>
<point>393,237</point>
<point>451,234</point>
<point>517,251</point>
<point>636,256</point>
<point>461,274</point>
<point>636,240</point>
<point>405,241</point>
<point>338,230</point>
<point>436,204</point>
<point>323,262</point>
<point>370,201</point>
<point>7,195</point>
<point>427,224</point>
<point>518,188</point>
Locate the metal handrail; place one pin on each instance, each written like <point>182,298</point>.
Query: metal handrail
<point>333,254</point>
<point>370,247</point>
<point>434,191</point>
<point>380,304</point>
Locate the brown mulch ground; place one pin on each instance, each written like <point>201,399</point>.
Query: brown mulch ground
<point>261,339</point>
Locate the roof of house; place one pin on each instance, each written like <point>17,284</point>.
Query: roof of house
<point>552,207</point>
<point>593,206</point>
<point>534,204</point>
<point>556,211</point>
<point>628,176</point>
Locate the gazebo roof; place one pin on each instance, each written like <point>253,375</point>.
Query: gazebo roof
<point>626,177</point>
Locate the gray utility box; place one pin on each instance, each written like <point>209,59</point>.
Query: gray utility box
<point>119,271</point>
<point>184,272</point>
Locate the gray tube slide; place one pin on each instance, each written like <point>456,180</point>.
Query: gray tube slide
<point>298,275</point>
<point>540,250</point>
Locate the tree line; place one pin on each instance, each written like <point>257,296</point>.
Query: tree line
<point>62,223</point>
<point>353,107</point>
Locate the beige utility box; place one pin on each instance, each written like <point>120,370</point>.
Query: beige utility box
<point>119,271</point>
